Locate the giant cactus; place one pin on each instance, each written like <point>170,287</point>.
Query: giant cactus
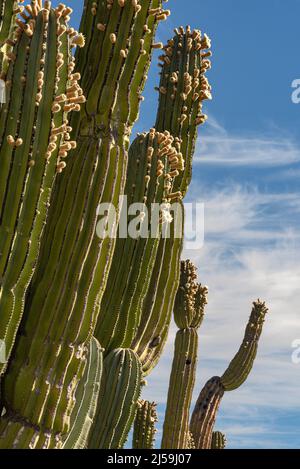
<point>85,317</point>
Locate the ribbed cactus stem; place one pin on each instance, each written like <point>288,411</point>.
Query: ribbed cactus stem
<point>34,140</point>
<point>176,424</point>
<point>188,312</point>
<point>191,298</point>
<point>218,440</point>
<point>61,314</point>
<point>205,412</point>
<point>144,425</point>
<point>150,179</point>
<point>118,397</point>
<point>8,10</point>
<point>242,364</point>
<point>183,88</point>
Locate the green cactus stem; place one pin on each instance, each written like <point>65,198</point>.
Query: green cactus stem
<point>144,426</point>
<point>8,9</point>
<point>191,298</point>
<point>33,143</point>
<point>218,441</point>
<point>63,313</point>
<point>205,412</point>
<point>86,397</point>
<point>182,90</point>
<point>242,364</point>
<point>188,312</point>
<point>119,395</point>
<point>153,158</point>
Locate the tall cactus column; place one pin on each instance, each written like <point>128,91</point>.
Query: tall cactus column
<point>182,91</point>
<point>33,142</point>
<point>208,403</point>
<point>188,312</point>
<point>62,305</point>
<point>8,9</point>
<point>154,164</point>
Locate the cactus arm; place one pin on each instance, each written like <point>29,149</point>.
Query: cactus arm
<point>127,286</point>
<point>29,174</point>
<point>218,440</point>
<point>205,412</point>
<point>118,396</point>
<point>8,9</point>
<point>181,387</point>
<point>189,307</point>
<point>144,426</point>
<point>186,65</point>
<point>86,399</point>
<point>242,364</point>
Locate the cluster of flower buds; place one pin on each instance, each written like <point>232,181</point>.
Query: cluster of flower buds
<point>190,86</point>
<point>63,103</point>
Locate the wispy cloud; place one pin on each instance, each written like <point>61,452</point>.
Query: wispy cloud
<point>219,147</point>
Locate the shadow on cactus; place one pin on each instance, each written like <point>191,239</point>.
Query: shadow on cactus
<point>85,318</point>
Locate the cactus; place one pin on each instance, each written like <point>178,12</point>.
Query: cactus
<point>144,426</point>
<point>94,173</point>
<point>33,142</point>
<point>183,88</point>
<point>85,316</point>
<point>208,403</point>
<point>188,313</point>
<point>218,440</point>
<point>149,181</point>
<point>8,10</point>
<point>119,395</point>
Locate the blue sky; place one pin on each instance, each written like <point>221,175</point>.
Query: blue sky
<point>247,170</point>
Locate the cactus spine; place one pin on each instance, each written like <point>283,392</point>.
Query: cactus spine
<point>188,312</point>
<point>144,426</point>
